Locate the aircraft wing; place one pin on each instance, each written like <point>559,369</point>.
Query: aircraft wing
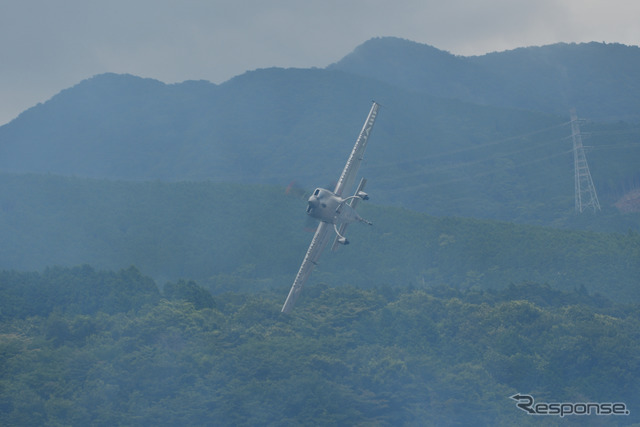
<point>347,179</point>
<point>319,242</point>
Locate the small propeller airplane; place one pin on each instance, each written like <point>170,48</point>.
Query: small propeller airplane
<point>332,209</point>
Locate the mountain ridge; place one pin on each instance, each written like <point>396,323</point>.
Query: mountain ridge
<point>551,78</point>
<point>433,154</point>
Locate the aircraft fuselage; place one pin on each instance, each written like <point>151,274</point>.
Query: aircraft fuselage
<point>331,208</point>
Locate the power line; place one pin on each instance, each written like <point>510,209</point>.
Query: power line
<point>477,174</point>
<point>472,148</point>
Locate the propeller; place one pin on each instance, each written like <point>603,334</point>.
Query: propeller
<point>295,190</point>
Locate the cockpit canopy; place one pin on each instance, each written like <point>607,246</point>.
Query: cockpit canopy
<point>320,200</point>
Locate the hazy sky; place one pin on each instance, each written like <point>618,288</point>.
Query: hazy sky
<point>47,45</point>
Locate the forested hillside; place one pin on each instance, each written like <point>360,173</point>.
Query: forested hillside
<point>209,231</point>
<point>432,154</point>
<point>384,356</point>
<point>149,234</point>
<point>599,79</point>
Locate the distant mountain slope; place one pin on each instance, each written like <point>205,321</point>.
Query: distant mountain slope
<point>269,126</point>
<point>121,126</point>
<point>601,80</point>
<point>238,237</point>
<point>274,126</point>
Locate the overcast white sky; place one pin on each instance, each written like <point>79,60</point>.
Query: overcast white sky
<point>47,45</point>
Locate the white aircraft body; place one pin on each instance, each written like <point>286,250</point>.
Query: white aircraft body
<point>332,209</point>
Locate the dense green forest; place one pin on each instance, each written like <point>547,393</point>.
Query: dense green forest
<point>208,231</point>
<point>85,347</point>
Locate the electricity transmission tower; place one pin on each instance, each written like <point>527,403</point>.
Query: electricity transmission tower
<point>586,196</point>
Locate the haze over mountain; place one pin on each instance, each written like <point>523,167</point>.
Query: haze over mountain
<point>602,81</point>
<point>508,159</point>
<point>150,234</point>
<point>233,237</point>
